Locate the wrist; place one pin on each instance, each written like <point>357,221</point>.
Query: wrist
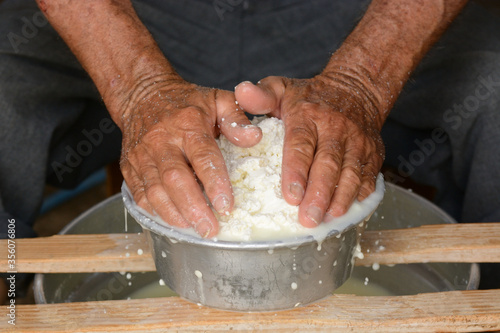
<point>386,46</point>
<point>359,87</point>
<point>374,73</point>
<point>113,46</point>
<point>145,75</point>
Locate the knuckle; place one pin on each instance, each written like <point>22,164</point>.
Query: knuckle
<point>303,140</point>
<point>333,144</point>
<point>308,108</point>
<point>197,141</point>
<point>352,175</point>
<point>177,220</point>
<point>200,148</point>
<point>329,162</point>
<point>359,145</point>
<point>142,202</point>
<point>138,194</point>
<point>173,176</point>
<point>336,121</point>
<point>370,169</point>
<point>190,112</point>
<point>303,132</point>
<point>189,119</point>
<point>205,161</point>
<point>155,134</point>
<point>153,191</point>
<point>366,189</point>
<point>301,152</point>
<point>369,186</point>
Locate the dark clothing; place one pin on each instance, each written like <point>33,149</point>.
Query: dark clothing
<point>444,130</point>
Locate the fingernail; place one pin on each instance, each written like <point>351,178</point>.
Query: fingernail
<point>221,203</point>
<point>315,214</point>
<point>296,190</point>
<point>204,227</point>
<point>328,218</point>
<point>242,83</point>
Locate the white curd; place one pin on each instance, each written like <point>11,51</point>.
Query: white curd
<point>260,211</point>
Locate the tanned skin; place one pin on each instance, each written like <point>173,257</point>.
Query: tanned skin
<point>333,150</point>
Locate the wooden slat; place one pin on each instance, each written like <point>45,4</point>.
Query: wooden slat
<point>461,242</point>
<point>80,253</point>
<point>475,242</point>
<point>470,311</point>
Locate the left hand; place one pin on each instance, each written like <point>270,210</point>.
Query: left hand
<point>332,151</point>
<point>169,148</point>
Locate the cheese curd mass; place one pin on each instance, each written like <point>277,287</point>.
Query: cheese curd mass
<point>260,212</point>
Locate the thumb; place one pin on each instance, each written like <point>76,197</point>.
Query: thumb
<point>263,98</point>
<point>233,122</point>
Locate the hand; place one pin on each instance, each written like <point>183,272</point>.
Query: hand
<point>332,151</point>
<point>169,146</point>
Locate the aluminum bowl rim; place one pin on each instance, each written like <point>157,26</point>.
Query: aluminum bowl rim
<point>175,234</point>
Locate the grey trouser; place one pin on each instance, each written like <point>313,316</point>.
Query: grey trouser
<point>444,130</point>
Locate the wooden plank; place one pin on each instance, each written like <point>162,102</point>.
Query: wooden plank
<point>455,311</point>
<point>80,253</point>
<point>461,242</point>
<point>475,242</point>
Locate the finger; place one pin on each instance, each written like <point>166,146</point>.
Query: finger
<point>233,122</point>
<point>349,183</point>
<point>185,193</point>
<point>369,172</point>
<point>375,159</point>
<point>153,193</point>
<point>298,153</point>
<point>136,187</point>
<point>323,178</point>
<point>263,98</point>
<point>164,206</point>
<point>158,198</point>
<point>208,163</point>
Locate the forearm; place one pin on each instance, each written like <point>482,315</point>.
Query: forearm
<point>386,46</point>
<point>113,46</point>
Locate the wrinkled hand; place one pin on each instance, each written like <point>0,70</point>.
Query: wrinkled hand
<point>332,151</point>
<point>169,148</point>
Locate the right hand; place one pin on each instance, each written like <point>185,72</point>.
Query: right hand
<point>169,146</point>
<point>332,151</point>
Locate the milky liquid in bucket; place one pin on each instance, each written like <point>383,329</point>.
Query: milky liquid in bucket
<point>154,289</point>
<point>353,286</point>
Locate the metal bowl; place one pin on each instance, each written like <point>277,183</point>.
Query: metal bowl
<point>252,276</point>
<point>399,209</point>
